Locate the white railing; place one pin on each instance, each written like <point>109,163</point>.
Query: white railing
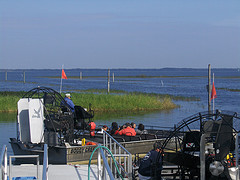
<point>23,156</point>
<point>4,165</point>
<point>122,156</point>
<point>45,163</point>
<point>101,173</point>
<point>3,160</point>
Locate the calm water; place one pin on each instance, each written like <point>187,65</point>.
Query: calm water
<point>180,82</point>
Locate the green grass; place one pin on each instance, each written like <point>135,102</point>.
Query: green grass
<point>8,101</point>
<point>122,102</point>
<point>101,102</point>
<point>160,96</point>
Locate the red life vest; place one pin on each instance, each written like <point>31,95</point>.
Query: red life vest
<point>92,126</point>
<point>128,131</point>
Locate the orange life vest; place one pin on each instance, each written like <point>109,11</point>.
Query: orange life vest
<point>91,143</point>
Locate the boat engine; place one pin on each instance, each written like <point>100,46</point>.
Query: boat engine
<point>44,117</point>
<point>187,148</point>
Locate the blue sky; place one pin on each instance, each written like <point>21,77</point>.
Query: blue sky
<point>119,34</point>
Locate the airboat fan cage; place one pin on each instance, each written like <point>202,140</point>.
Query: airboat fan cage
<point>202,122</point>
<point>53,101</point>
<point>182,146</point>
<point>59,120</point>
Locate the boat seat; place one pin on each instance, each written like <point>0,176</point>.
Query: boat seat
<point>148,136</point>
<point>118,138</point>
<point>163,133</point>
<point>81,113</point>
<point>131,138</point>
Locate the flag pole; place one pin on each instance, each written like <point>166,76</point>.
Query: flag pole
<point>209,88</point>
<point>213,98</point>
<point>61,81</point>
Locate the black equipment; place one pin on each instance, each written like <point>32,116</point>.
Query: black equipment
<point>182,147</point>
<point>60,122</point>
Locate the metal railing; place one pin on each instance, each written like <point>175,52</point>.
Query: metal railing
<point>122,156</point>
<point>3,161</point>
<point>45,163</point>
<point>101,172</point>
<point>23,156</point>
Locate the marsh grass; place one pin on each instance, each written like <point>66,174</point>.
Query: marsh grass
<point>100,101</point>
<point>8,101</point>
<point>8,117</point>
<point>122,102</point>
<point>160,96</point>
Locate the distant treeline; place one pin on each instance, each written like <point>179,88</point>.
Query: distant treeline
<point>228,89</point>
<point>142,76</point>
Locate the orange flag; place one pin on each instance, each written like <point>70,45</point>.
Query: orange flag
<point>214,94</point>
<point>64,76</point>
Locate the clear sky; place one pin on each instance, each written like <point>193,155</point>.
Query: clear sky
<point>119,33</point>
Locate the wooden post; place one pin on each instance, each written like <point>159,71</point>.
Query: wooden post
<point>108,89</point>
<point>113,76</point>
<point>24,77</point>
<point>209,88</point>
<point>6,76</point>
<point>80,75</point>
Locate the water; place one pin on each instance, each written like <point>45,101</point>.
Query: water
<point>179,82</point>
<point>7,129</point>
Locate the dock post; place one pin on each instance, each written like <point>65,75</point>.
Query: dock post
<point>38,167</point>
<point>80,75</point>
<point>99,165</point>
<point>10,168</point>
<point>113,76</point>
<point>45,163</point>
<point>24,77</point>
<point>108,89</point>
<point>6,76</point>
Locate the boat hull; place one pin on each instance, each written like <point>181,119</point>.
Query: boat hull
<point>56,154</point>
<point>71,154</point>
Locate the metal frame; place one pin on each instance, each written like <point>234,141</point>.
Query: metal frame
<point>105,165</point>
<point>196,123</point>
<point>23,156</point>
<point>237,155</point>
<point>45,163</point>
<point>120,152</point>
<point>3,158</point>
<point>202,156</point>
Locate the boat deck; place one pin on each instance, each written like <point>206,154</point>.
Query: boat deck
<point>80,172</point>
<point>56,172</point>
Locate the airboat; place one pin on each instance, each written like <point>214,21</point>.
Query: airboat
<point>203,145</point>
<point>45,118</point>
